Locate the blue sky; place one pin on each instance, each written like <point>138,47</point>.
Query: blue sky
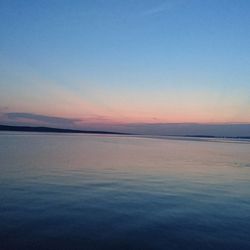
<point>126,61</point>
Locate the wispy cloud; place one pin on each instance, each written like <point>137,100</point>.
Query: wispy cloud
<point>36,119</point>
<point>161,8</point>
<point>103,123</point>
<point>32,119</point>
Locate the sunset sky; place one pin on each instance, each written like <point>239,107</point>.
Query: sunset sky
<point>117,62</point>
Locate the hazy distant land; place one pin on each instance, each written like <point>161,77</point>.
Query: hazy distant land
<point>61,130</point>
<point>53,130</point>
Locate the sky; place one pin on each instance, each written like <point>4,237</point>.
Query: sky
<point>106,63</point>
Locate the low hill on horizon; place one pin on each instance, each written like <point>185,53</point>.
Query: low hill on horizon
<point>41,129</point>
<point>55,130</point>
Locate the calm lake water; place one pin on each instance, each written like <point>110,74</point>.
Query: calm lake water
<point>119,192</point>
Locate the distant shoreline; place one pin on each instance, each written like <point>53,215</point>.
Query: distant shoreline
<point>54,130</point>
<point>75,131</point>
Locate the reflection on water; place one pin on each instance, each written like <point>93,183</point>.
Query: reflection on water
<point>119,192</point>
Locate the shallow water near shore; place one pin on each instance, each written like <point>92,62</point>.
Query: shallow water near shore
<point>65,191</point>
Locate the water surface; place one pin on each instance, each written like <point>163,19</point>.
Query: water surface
<point>63,191</point>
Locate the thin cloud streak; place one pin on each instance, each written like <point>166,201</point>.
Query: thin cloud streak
<point>104,123</point>
<point>39,119</point>
<point>161,8</point>
<point>24,118</point>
